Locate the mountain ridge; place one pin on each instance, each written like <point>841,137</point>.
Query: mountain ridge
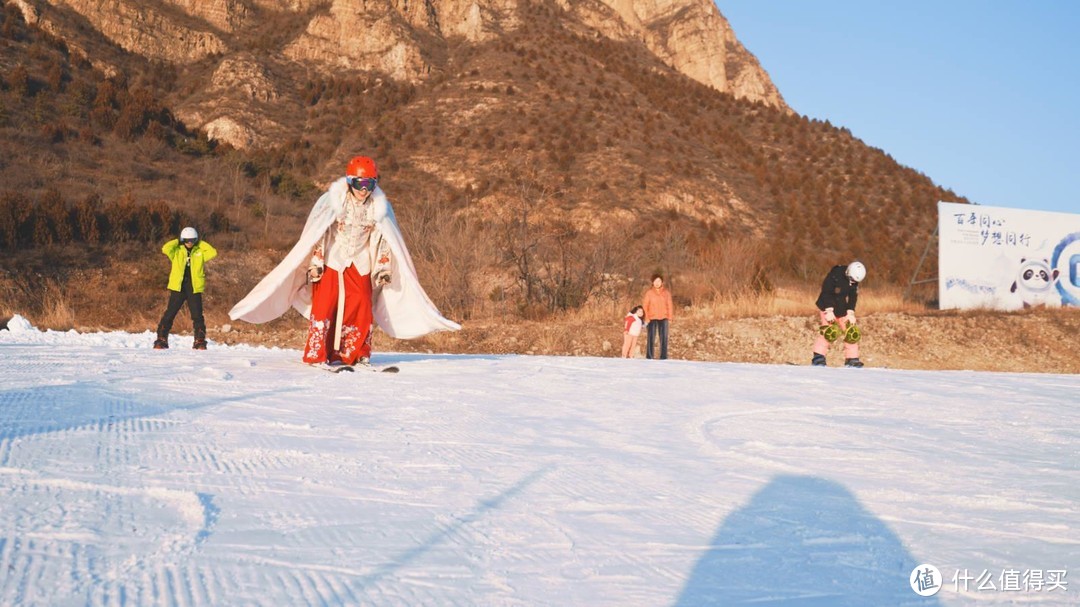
<point>399,39</point>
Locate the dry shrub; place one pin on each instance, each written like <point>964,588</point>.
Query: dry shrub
<point>549,339</point>
<point>450,253</point>
<point>6,313</point>
<point>56,312</point>
<point>734,267</point>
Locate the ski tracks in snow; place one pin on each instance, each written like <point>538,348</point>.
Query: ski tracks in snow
<point>75,447</point>
<point>236,476</point>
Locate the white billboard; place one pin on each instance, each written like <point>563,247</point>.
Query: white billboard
<point>1007,259</point>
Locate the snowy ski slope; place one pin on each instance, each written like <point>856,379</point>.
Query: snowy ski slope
<point>237,476</point>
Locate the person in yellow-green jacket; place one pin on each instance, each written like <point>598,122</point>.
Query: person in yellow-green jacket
<point>187,280</point>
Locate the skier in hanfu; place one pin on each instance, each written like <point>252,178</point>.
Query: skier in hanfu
<point>350,268</point>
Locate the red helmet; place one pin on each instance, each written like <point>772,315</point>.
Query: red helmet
<point>362,166</point>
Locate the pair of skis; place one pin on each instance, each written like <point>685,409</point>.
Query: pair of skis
<point>352,368</point>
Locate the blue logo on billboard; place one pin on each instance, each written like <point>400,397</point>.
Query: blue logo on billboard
<point>1067,253</point>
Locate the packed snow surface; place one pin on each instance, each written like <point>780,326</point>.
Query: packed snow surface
<point>239,476</point>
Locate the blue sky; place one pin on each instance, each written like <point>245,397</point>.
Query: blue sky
<point>981,96</point>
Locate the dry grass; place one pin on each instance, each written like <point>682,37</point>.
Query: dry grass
<point>56,312</point>
<point>799,300</point>
<point>43,303</point>
<point>789,301</point>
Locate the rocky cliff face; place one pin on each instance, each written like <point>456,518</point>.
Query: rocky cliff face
<point>689,35</point>
<point>402,38</point>
<point>154,32</point>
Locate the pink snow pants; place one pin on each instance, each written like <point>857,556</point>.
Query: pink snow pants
<point>821,345</point>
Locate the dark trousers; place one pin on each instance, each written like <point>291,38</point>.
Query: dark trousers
<point>176,301</point>
<point>657,328</point>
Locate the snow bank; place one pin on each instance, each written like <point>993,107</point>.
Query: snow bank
<point>18,324</point>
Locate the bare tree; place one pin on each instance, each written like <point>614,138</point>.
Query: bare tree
<point>556,264</point>
<point>450,251</point>
<point>522,233</point>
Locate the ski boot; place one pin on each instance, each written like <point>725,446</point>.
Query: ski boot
<point>818,360</point>
<point>161,343</point>
<point>200,342</point>
<point>853,362</point>
<point>200,338</point>
<point>363,361</point>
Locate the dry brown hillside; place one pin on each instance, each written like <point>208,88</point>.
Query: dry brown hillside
<point>538,172</point>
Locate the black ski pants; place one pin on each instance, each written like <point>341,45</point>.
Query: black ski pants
<point>176,301</point>
<point>657,329</point>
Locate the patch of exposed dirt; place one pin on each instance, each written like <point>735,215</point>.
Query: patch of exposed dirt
<point>1034,341</point>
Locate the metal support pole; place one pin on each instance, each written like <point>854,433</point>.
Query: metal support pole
<point>918,268</point>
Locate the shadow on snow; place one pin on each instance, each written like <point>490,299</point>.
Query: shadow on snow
<point>803,541</point>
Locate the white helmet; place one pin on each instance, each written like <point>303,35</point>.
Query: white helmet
<point>189,233</point>
<point>856,271</point>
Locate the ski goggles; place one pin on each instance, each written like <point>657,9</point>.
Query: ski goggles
<point>189,241</point>
<point>362,183</point>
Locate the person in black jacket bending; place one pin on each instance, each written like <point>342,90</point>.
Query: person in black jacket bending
<point>836,307</point>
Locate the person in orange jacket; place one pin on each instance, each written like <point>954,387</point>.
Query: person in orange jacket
<point>658,313</point>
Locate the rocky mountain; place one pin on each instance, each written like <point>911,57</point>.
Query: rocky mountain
<point>406,41</point>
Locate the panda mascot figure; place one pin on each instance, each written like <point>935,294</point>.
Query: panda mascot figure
<point>1034,284</point>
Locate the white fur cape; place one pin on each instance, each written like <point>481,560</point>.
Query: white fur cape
<point>402,309</point>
